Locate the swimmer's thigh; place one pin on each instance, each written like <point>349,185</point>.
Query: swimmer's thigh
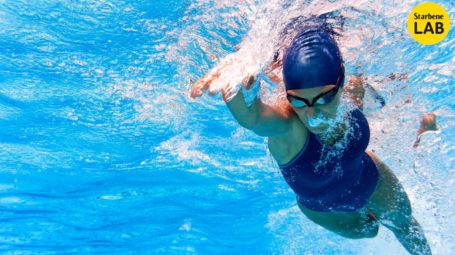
<point>353,225</point>
<point>389,202</point>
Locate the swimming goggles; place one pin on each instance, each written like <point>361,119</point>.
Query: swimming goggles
<point>321,99</point>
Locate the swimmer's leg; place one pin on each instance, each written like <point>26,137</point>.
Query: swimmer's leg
<point>427,123</point>
<point>354,225</point>
<point>391,205</point>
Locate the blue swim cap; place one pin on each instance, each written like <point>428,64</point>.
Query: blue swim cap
<point>312,60</point>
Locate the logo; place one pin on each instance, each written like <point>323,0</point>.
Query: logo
<point>428,23</point>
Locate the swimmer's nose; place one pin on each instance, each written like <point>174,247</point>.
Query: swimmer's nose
<point>310,112</point>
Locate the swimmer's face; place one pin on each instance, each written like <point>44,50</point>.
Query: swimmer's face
<point>317,118</point>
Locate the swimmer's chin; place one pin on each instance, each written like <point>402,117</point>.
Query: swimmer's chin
<point>320,129</point>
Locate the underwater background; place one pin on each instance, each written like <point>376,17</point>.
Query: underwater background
<point>103,152</point>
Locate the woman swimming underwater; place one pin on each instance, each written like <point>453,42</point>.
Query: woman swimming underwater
<point>320,145</point>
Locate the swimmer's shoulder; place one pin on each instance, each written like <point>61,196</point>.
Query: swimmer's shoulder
<point>286,146</point>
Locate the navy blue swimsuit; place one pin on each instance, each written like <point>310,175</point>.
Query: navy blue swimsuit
<point>340,177</point>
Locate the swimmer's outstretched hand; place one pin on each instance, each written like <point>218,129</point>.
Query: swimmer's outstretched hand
<point>229,92</point>
<point>233,65</point>
<point>203,84</point>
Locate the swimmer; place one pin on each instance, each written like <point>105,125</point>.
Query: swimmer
<point>320,144</point>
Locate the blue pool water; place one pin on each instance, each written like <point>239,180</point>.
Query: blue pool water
<point>103,152</point>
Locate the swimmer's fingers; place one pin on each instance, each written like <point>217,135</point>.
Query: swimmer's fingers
<point>248,81</point>
<point>213,93</point>
<point>198,89</point>
<point>203,84</point>
<point>226,93</point>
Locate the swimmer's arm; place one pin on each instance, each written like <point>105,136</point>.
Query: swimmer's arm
<point>263,119</point>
